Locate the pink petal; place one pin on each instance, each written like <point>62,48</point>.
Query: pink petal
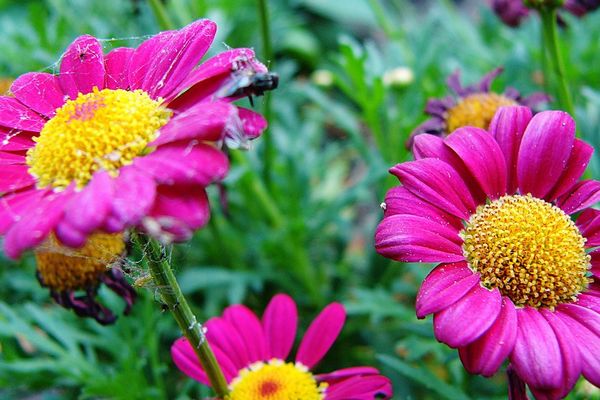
<point>399,200</point>
<point>438,183</point>
<point>116,64</point>
<point>346,373</point>
<point>143,58</point>
<point>595,261</point>
<point>483,158</point>
<point>33,228</point>
<point>580,158</point>
<point>279,322</point>
<point>589,301</point>
<point>412,238</point>
<point>14,114</point>
<point>444,286</point>
<point>224,336</point>
<point>537,356</point>
<point>250,330</point>
<point>14,206</point>
<point>187,361</point>
<point>464,321</point>
<point>15,177</point>
<point>545,150</point>
<point>253,123</point>
<point>360,388</point>
<point>174,62</point>
<point>39,91</point>
<point>177,212</point>
<point>485,355</point>
<point>206,80</point>
<point>133,197</point>
<point>507,127</point>
<point>205,122</point>
<point>585,327</point>
<point>321,334</point>
<point>82,67</point>
<point>588,223</point>
<point>11,159</point>
<point>583,195</point>
<point>15,140</point>
<point>180,163</point>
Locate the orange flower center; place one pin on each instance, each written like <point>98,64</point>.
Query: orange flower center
<point>476,110</point>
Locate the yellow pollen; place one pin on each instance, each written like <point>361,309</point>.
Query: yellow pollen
<point>529,249</point>
<point>63,268</point>
<point>476,110</point>
<point>276,380</point>
<point>102,130</point>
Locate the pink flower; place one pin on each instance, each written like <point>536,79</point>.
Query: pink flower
<point>513,12</point>
<point>124,139</point>
<point>495,209</point>
<point>252,354</point>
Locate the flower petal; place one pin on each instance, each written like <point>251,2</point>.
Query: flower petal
<point>545,149</point>
<point>464,321</point>
<point>250,330</point>
<point>485,355</point>
<point>39,91</point>
<point>15,140</point>
<point>483,158</point>
<point>142,59</point>
<point>116,64</point>
<point>321,334</point>
<point>444,286</point>
<point>279,322</point>
<point>438,183</point>
<point>178,163</point>
<point>507,127</point>
<point>14,114</point>
<point>14,206</point>
<point>345,373</point>
<point>413,238</point>
<point>187,361</point>
<point>82,67</point>
<point>133,198</point>
<point>580,158</point>
<point>11,159</point>
<point>536,356</point>
<point>588,223</point>
<point>15,177</point>
<point>360,388</point>
<point>224,336</point>
<point>582,195</point>
<point>253,123</point>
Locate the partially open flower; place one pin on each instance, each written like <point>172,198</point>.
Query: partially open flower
<point>125,139</point>
<point>513,12</point>
<point>473,105</point>
<point>74,275</point>
<point>506,215</point>
<point>253,352</point>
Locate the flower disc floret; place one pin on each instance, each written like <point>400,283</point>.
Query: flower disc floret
<point>529,249</point>
<point>476,110</point>
<point>102,130</point>
<point>276,380</point>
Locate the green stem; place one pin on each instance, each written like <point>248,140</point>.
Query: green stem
<point>263,10</point>
<point>161,15</point>
<point>550,35</point>
<point>167,286</point>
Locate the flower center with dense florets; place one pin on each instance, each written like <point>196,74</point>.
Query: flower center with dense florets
<point>276,380</point>
<point>476,110</point>
<point>102,130</point>
<point>63,268</point>
<point>527,248</point>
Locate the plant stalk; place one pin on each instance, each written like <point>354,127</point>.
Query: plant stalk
<point>172,297</point>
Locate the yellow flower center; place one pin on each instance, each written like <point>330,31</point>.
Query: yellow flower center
<point>5,84</point>
<point>276,380</point>
<point>476,110</point>
<point>527,248</point>
<point>63,268</point>
<point>102,130</point>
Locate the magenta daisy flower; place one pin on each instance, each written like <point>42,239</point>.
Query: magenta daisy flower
<point>473,105</point>
<point>124,139</point>
<point>513,12</point>
<point>506,215</point>
<point>252,354</point>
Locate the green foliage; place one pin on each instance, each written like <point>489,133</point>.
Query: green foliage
<point>308,229</point>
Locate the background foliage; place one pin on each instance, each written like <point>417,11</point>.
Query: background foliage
<point>300,219</point>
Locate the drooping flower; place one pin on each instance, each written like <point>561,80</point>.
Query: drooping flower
<point>473,105</point>
<point>73,276</point>
<point>124,139</point>
<point>507,217</point>
<point>513,12</point>
<point>252,354</point>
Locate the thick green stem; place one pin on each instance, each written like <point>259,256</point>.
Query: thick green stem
<point>550,35</point>
<point>263,11</point>
<point>170,293</point>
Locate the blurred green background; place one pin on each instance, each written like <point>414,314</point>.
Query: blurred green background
<point>302,213</point>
